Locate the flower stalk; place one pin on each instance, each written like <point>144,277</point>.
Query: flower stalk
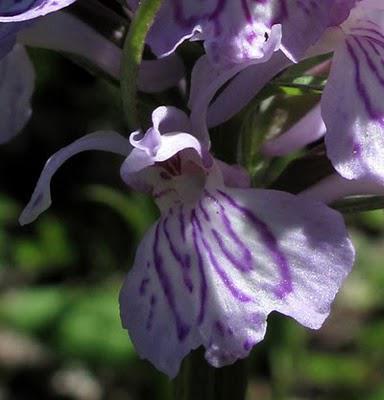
<point>199,380</point>
<point>132,57</point>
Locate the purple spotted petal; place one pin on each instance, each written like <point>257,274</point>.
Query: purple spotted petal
<point>17,79</point>
<point>307,130</point>
<point>22,10</point>
<point>210,274</point>
<point>41,197</point>
<point>352,103</point>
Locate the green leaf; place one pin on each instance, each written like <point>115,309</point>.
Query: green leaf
<point>32,310</point>
<point>136,209</point>
<point>91,329</point>
<point>335,370</point>
<point>359,204</point>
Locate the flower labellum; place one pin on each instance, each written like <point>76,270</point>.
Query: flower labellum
<point>222,255</point>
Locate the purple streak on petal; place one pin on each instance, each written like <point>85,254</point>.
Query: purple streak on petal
<point>203,210</point>
<point>248,344</point>
<point>152,303</point>
<point>227,281</point>
<point>220,328</point>
<point>244,264</point>
<point>370,63</point>
<point>143,286</point>
<point>180,260</point>
<point>270,242</point>
<point>200,265</point>
<point>182,328</point>
<point>182,222</point>
<point>360,87</point>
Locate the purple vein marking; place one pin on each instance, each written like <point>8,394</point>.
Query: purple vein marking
<point>370,62</point>
<point>178,257</point>
<point>182,222</point>
<point>182,328</point>
<point>152,304</point>
<point>228,282</point>
<point>360,87</point>
<point>269,241</point>
<point>244,264</point>
<point>200,264</point>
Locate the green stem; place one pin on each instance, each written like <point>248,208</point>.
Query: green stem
<point>132,56</point>
<point>359,204</point>
<point>199,380</point>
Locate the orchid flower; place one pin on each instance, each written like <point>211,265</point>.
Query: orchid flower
<point>16,72</point>
<point>351,112</point>
<point>222,255</point>
<point>15,13</point>
<point>17,78</point>
<point>235,32</point>
<point>61,31</point>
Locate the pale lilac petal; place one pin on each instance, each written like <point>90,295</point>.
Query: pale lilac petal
<point>203,74</point>
<point>335,187</point>
<point>16,10</point>
<point>243,88</point>
<point>8,34</point>
<point>170,119</point>
<point>231,35</point>
<point>211,274</point>
<point>239,31</point>
<point>161,74</point>
<point>303,24</point>
<point>64,32</point>
<point>341,10</point>
<point>41,197</point>
<point>352,106</point>
<point>199,102</point>
<point>234,176</point>
<point>309,129</point>
<point>17,78</point>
